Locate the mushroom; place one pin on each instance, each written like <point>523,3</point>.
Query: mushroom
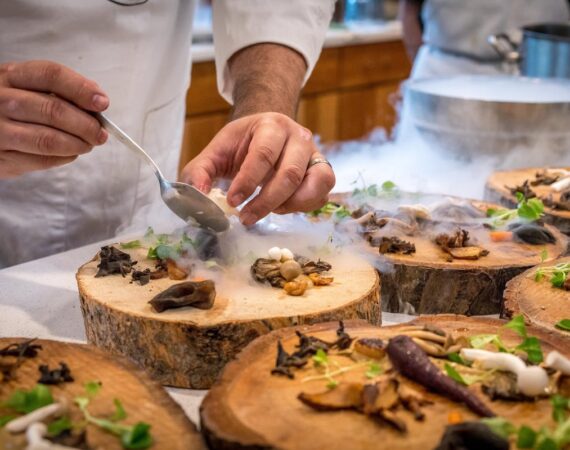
<point>175,272</point>
<point>557,361</point>
<point>417,211</point>
<point>319,280</point>
<point>295,287</point>
<point>371,347</point>
<point>35,436</point>
<point>275,253</point>
<point>562,184</point>
<point>429,347</point>
<point>531,380</point>
<point>290,269</point>
<point>344,396</point>
<point>20,424</point>
<point>286,254</point>
<point>199,294</point>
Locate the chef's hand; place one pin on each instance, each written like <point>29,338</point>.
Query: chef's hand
<point>263,145</point>
<point>269,150</point>
<point>43,118</point>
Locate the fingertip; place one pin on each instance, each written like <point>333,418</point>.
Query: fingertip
<point>100,102</point>
<point>102,136</point>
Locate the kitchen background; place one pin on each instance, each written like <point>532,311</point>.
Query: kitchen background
<point>353,89</point>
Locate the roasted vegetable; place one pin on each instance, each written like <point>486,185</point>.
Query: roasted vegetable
<point>411,361</point>
<point>199,294</point>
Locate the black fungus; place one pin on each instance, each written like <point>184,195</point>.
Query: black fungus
<point>141,276</point>
<point>344,340</point>
<point>113,260</point>
<point>395,245</point>
<point>55,376</point>
<point>26,349</point>
<point>207,245</point>
<point>199,294</point>
<point>285,362</point>
<point>471,436</point>
<point>532,233</point>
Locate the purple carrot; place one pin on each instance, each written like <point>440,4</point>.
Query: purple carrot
<point>411,361</point>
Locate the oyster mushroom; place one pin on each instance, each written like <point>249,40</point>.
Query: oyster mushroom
<point>266,270</point>
<point>199,294</point>
<point>344,396</point>
<point>20,424</point>
<point>371,347</point>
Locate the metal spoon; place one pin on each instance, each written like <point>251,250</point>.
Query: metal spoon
<point>184,200</point>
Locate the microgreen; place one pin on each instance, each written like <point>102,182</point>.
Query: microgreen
<point>456,358</point>
<point>320,358</point>
<point>564,324</point>
<point>164,249</point>
<point>23,401</point>
<point>373,370</point>
<point>531,346</point>
<point>557,273</point>
<point>332,209</point>
<point>527,209</point>
<point>560,407</point>
<point>131,244</point>
<point>135,436</point>
<point>60,425</point>
<point>387,189</point>
<point>543,255</point>
<point>517,325</point>
<point>454,374</point>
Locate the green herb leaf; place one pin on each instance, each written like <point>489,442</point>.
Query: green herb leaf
<point>539,275</point>
<point>547,444</point>
<point>373,370</point>
<point>131,244</point>
<point>138,437</point>
<point>151,254</point>
<point>520,196</point>
<point>543,255</point>
<point>320,358</point>
<point>482,340</point>
<point>456,358</point>
<point>454,374</point>
<point>23,401</point>
<point>82,402</point>
<point>526,437</point>
<point>500,426</point>
<point>120,413</point>
<point>531,346</point>
<point>60,425</point>
<point>388,186</point>
<point>560,407</point>
<point>5,419</point>
<point>558,278</point>
<point>92,387</point>
<point>517,325</point>
<point>564,324</point>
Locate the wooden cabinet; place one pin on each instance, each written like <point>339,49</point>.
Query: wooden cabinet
<point>351,91</point>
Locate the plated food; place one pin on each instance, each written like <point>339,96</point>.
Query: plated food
<point>56,395</point>
<point>440,254</point>
<point>542,296</point>
<point>550,185</point>
<point>178,310</point>
<point>440,382</point>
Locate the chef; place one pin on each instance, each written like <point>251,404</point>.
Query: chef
<point>64,183</point>
<point>455,32</point>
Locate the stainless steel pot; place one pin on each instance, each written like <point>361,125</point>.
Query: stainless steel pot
<point>473,115</point>
<point>544,52</point>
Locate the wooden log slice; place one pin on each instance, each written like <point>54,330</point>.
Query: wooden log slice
<point>428,282</point>
<point>248,408</point>
<point>497,191</point>
<point>188,347</point>
<point>142,398</point>
<point>541,304</point>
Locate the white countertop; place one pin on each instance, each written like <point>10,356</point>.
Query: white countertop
<point>336,37</point>
<point>40,299</point>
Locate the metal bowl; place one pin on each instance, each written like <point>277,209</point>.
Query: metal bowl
<point>472,115</point>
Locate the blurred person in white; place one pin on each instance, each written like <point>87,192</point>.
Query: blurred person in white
<point>61,59</point>
<point>449,37</point>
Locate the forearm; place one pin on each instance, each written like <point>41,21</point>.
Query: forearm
<point>409,12</point>
<point>267,78</point>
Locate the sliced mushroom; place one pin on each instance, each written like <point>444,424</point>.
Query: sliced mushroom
<point>175,272</point>
<point>319,280</point>
<point>295,287</point>
<point>344,396</point>
<point>470,253</point>
<point>371,347</point>
<point>199,294</point>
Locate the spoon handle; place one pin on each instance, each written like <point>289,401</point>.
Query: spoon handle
<point>125,139</point>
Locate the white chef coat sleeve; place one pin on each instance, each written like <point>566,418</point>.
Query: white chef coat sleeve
<point>299,24</point>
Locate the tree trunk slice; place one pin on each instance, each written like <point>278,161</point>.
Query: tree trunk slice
<point>540,303</point>
<point>143,399</point>
<point>248,408</point>
<point>427,283</point>
<point>188,347</point>
<point>496,190</point>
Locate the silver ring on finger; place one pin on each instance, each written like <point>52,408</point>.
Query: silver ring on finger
<point>318,160</point>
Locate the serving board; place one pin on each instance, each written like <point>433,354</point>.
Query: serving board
<point>143,399</point>
<point>540,303</point>
<point>248,408</point>
<point>426,282</point>
<point>496,190</point>
<point>188,347</point>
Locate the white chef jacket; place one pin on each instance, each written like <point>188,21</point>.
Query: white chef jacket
<point>456,31</point>
<point>140,55</point>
